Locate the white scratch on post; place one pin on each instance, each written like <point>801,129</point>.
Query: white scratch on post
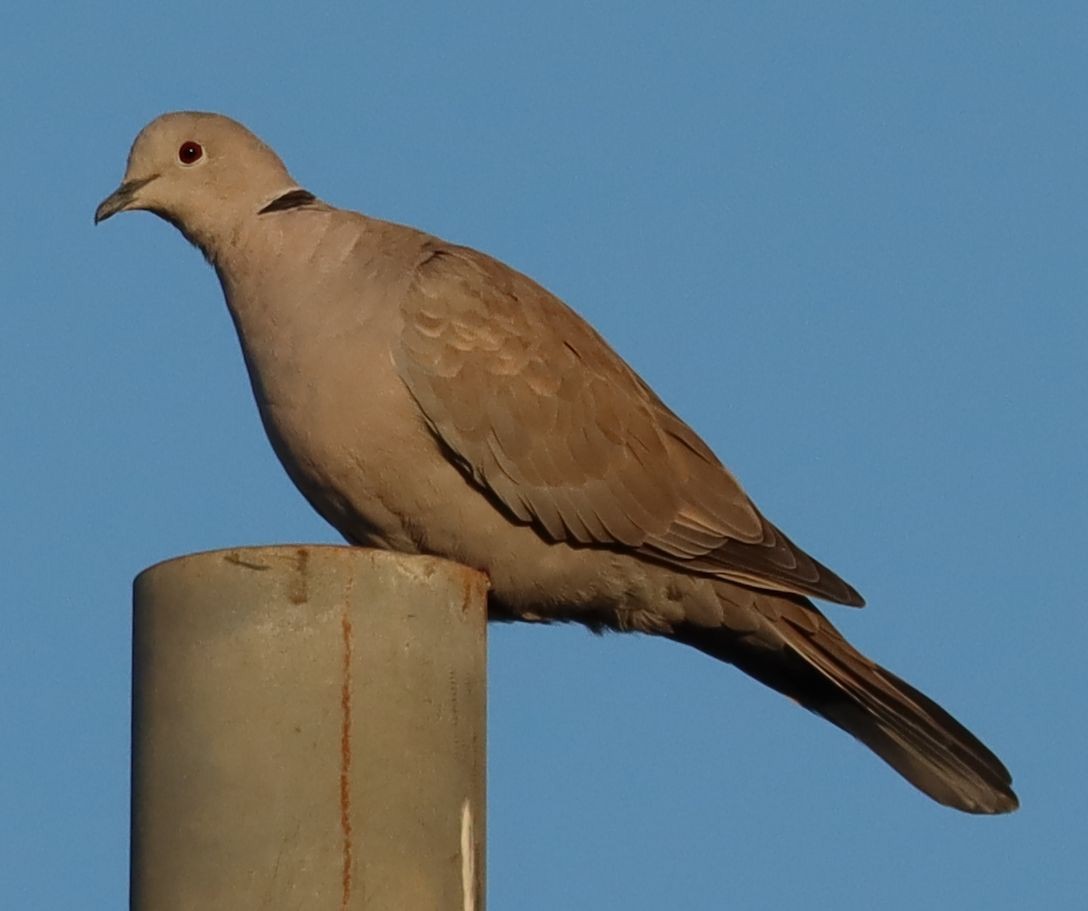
<point>468,858</point>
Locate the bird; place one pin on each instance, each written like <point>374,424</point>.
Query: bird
<point>426,398</point>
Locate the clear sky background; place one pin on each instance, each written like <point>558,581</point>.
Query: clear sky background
<point>844,241</point>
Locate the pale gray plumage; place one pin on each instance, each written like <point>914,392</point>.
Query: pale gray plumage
<point>426,398</point>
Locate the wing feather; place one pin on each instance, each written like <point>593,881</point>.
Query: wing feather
<point>534,406</point>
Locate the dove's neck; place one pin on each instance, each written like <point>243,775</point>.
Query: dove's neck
<point>254,264</point>
<point>296,277</point>
<point>219,230</point>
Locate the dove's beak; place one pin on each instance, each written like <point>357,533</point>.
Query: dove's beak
<point>124,197</point>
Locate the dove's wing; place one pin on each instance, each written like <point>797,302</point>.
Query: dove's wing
<point>535,407</point>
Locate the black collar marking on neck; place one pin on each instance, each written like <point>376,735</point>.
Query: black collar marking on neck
<point>292,199</point>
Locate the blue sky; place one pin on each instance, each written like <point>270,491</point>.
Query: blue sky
<point>845,243</point>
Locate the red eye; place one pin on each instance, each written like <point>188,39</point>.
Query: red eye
<point>190,152</point>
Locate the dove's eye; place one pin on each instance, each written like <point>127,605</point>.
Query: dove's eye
<point>190,152</point>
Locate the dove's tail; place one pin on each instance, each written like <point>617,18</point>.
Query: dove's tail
<point>819,669</point>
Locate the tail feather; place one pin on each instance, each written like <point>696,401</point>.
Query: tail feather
<point>820,670</point>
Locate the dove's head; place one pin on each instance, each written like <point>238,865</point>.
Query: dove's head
<point>202,172</point>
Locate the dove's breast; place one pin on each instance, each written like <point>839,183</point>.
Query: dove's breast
<point>316,323</point>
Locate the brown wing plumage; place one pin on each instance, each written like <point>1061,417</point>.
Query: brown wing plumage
<point>536,408</point>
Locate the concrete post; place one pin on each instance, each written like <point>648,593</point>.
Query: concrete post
<point>308,732</point>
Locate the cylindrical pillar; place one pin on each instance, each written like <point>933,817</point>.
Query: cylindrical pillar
<point>308,732</point>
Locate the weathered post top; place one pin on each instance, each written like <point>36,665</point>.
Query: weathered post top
<point>308,732</point>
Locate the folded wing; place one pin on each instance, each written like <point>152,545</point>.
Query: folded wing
<point>535,407</point>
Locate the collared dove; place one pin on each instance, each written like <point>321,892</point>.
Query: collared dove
<point>427,398</point>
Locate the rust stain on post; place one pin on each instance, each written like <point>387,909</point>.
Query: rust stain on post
<point>300,590</point>
<point>248,564</point>
<point>345,755</point>
<point>470,588</point>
